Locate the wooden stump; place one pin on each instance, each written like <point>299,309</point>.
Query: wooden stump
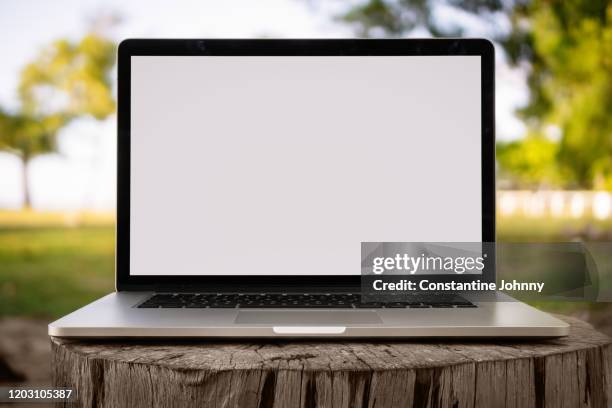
<point>574,371</point>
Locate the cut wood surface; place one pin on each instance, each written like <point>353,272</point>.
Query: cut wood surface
<point>574,371</point>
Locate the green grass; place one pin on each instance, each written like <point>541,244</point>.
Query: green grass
<point>51,264</point>
<point>51,271</point>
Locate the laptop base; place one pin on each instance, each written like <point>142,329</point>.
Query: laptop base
<point>117,315</point>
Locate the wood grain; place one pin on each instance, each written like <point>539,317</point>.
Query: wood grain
<point>575,371</point>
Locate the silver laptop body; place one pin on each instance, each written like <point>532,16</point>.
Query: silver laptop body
<point>254,169</point>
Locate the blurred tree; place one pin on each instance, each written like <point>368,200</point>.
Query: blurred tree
<point>531,161</point>
<point>397,18</point>
<point>567,47</point>
<point>65,81</point>
<point>28,136</point>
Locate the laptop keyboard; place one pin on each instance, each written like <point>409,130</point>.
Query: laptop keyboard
<point>284,300</point>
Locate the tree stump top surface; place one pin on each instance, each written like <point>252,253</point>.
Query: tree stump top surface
<point>573,371</point>
<point>369,355</point>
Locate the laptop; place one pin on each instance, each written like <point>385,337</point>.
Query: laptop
<point>250,172</point>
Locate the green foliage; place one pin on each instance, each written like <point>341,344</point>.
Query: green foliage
<point>27,136</point>
<point>569,48</point>
<point>532,161</point>
<point>395,18</point>
<point>567,45</point>
<point>75,75</point>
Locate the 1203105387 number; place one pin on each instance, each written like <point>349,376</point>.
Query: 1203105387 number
<point>9,394</point>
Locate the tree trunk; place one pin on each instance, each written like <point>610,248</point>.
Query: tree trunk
<point>573,371</point>
<point>27,199</point>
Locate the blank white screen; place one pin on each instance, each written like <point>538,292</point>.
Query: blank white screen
<point>284,165</point>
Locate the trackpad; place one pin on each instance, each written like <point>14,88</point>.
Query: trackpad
<point>306,317</point>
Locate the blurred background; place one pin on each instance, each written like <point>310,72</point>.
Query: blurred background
<point>57,129</point>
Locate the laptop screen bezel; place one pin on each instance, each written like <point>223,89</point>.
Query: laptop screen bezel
<point>289,47</point>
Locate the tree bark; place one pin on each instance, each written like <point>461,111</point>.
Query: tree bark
<point>27,199</point>
<point>574,371</point>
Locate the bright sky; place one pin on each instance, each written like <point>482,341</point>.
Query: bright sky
<point>82,174</point>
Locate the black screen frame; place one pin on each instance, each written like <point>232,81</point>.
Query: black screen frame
<point>290,47</point>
